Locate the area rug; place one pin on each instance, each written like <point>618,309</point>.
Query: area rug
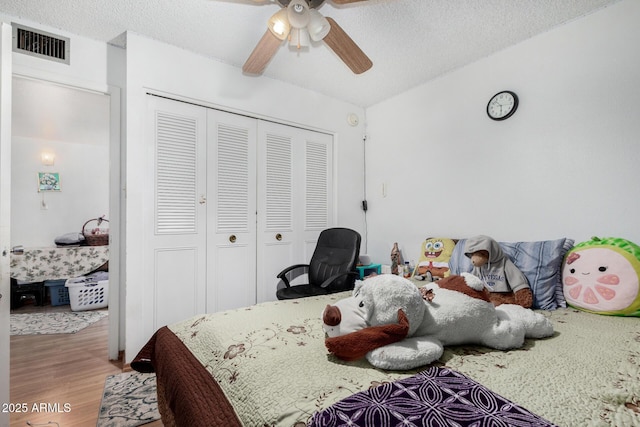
<point>54,323</point>
<point>129,400</point>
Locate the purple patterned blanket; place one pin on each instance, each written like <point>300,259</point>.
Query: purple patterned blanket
<point>434,397</point>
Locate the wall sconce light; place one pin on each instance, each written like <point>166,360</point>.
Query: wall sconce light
<point>47,158</point>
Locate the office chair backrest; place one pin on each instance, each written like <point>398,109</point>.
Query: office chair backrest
<point>337,251</point>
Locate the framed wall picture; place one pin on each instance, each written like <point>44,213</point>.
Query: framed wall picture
<point>48,181</point>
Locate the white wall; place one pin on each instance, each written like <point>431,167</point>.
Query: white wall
<point>73,125</point>
<point>160,68</point>
<point>566,164</point>
<point>84,194</point>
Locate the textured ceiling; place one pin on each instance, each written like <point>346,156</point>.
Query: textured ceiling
<point>409,41</point>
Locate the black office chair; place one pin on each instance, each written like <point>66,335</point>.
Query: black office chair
<point>332,267</point>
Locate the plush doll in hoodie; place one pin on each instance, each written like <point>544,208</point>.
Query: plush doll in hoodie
<point>505,282</point>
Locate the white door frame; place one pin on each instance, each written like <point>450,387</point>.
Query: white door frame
<point>5,212</point>
<point>116,239</point>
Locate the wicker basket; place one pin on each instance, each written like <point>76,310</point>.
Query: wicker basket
<point>96,239</point>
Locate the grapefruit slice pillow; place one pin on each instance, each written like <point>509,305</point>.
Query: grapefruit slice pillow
<point>602,276</point>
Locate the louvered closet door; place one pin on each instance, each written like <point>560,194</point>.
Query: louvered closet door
<point>231,214</point>
<point>294,199</point>
<point>176,273</point>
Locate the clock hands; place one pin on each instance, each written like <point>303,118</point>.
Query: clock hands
<point>499,105</point>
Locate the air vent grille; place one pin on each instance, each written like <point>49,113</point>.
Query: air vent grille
<point>40,44</point>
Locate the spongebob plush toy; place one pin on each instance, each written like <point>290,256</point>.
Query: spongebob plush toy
<point>434,259</point>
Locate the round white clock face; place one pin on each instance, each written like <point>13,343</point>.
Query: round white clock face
<point>502,105</point>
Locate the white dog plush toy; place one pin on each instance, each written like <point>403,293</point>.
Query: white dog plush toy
<point>399,326</point>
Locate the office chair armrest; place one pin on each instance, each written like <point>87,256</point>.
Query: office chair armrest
<point>283,274</point>
<point>337,276</point>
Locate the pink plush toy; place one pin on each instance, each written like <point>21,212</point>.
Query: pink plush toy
<point>602,276</point>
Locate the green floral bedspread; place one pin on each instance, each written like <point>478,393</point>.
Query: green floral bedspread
<point>271,362</point>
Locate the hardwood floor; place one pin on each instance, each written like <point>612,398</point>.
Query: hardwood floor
<point>60,377</point>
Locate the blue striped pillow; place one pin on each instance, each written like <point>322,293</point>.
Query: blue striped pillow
<point>560,300</point>
<point>540,262</point>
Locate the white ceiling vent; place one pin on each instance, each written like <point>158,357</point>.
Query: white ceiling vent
<point>40,44</point>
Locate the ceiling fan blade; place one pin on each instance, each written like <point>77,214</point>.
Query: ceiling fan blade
<point>346,1</point>
<point>347,49</point>
<point>262,54</point>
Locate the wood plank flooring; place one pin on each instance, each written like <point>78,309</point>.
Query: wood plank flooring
<point>60,377</point>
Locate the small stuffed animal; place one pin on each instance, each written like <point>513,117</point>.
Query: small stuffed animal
<point>505,282</point>
<point>396,325</point>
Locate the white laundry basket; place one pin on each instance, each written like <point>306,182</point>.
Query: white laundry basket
<point>85,294</point>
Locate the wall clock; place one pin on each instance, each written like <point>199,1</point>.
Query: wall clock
<point>502,105</point>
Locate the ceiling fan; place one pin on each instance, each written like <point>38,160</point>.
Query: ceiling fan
<point>299,22</point>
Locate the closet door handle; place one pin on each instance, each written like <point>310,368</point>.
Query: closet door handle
<point>278,237</point>
<point>232,238</point>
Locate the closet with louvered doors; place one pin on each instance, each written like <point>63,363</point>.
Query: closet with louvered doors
<point>236,200</point>
<point>269,192</point>
<point>295,199</point>
<point>231,210</point>
<point>173,254</point>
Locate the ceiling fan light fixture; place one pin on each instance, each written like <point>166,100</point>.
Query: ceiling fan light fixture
<point>299,37</point>
<point>279,24</point>
<point>298,20</point>
<point>298,13</point>
<point>318,26</point>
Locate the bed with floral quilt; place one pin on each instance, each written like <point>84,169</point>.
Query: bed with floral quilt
<point>267,365</point>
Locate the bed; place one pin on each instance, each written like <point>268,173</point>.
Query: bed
<point>266,365</point>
